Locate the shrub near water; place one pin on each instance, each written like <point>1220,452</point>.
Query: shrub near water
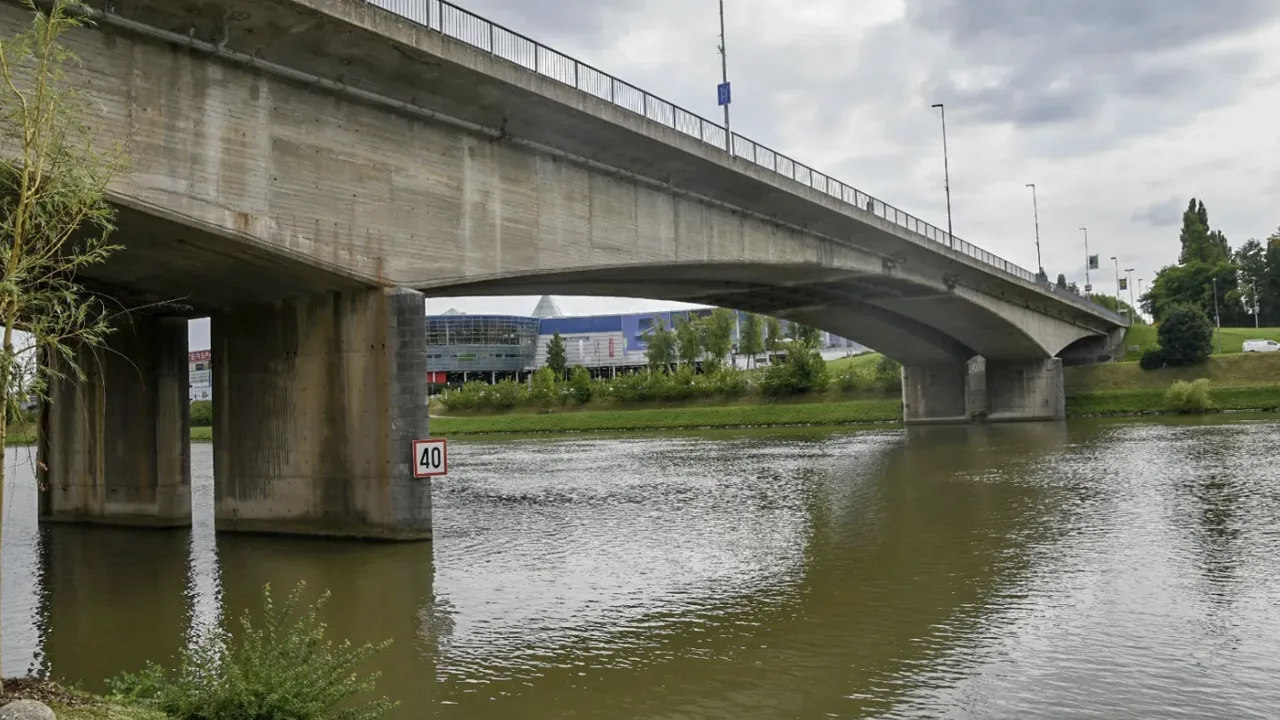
<point>283,670</point>
<point>1188,397</point>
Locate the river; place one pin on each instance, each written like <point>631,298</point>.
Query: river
<point>1089,569</point>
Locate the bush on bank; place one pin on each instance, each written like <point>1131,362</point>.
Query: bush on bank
<point>282,669</point>
<point>802,372</point>
<point>202,413</point>
<point>1188,397</point>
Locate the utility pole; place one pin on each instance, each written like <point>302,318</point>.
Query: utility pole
<point>723,93</point>
<point>946,171</point>
<point>1087,284</point>
<point>1035,206</point>
<point>1217,318</point>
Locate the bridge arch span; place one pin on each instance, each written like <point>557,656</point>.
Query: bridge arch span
<point>896,312</point>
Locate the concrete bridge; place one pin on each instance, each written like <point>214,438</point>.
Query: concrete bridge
<point>305,171</point>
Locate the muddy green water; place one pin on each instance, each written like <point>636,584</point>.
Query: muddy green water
<point>1090,569</point>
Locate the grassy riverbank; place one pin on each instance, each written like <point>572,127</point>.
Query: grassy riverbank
<point>1146,337</point>
<point>71,704</point>
<point>1238,382</point>
<point>675,418</point>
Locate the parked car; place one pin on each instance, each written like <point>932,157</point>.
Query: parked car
<point>1261,346</point>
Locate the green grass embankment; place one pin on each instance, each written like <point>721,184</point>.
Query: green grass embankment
<point>1146,337</point>
<point>1237,382</point>
<point>675,418</point>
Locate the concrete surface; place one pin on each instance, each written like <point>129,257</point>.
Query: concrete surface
<point>317,401</point>
<point>935,393</point>
<point>1025,390</point>
<point>115,446</point>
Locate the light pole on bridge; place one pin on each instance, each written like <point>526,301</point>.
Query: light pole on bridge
<point>1088,287</point>
<point>1035,207</point>
<point>723,90</point>
<point>946,174</point>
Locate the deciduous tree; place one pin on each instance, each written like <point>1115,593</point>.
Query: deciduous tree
<point>55,221</point>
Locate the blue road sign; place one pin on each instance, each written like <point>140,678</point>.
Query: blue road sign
<point>722,93</point>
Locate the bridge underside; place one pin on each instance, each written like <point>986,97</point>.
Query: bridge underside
<point>318,395</point>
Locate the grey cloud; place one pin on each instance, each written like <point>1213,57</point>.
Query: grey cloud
<point>1065,60</point>
<point>1162,214</point>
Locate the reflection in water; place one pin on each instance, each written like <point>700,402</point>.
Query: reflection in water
<point>1037,570</point>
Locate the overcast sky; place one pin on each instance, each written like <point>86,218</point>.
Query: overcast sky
<point>1118,110</point>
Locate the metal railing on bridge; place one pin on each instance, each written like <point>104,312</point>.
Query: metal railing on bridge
<point>453,21</point>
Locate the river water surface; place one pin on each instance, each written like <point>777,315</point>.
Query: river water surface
<point>1090,569</point>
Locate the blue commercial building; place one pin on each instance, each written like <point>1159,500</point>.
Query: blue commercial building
<point>464,347</point>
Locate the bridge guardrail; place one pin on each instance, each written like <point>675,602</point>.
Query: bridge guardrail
<point>459,24</point>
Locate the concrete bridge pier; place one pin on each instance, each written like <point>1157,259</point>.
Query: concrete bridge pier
<point>994,390</point>
<point>937,393</point>
<point>316,401</point>
<point>114,447</point>
<point>1025,390</point>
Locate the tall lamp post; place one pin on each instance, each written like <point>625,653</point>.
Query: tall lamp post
<point>946,170</point>
<point>1117,264</point>
<point>1035,207</point>
<point>1088,286</point>
<point>1128,274</point>
<point>724,83</point>
<point>1257,308</point>
<point>1217,317</point>
<point>1139,290</point>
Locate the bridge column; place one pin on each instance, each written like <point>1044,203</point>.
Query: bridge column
<point>936,393</point>
<point>316,402</point>
<point>114,447</point>
<point>1025,390</point>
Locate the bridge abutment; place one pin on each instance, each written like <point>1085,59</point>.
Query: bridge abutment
<point>1025,390</point>
<point>316,403</point>
<point>114,446</point>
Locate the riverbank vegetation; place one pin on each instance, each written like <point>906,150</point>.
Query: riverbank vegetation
<point>277,667</point>
<point>69,703</point>
<point>55,220</point>
<point>1233,382</point>
<point>676,418</point>
<point>281,667</point>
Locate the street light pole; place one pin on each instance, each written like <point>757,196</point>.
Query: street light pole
<point>724,77</point>
<point>1139,292</point>
<point>1117,262</point>
<point>1257,309</point>
<point>1086,257</point>
<point>946,170</point>
<point>1035,206</point>
<point>1128,273</point>
<point>1217,317</point>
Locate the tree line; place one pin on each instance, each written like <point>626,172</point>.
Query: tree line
<point>1216,280</point>
<point>705,340</point>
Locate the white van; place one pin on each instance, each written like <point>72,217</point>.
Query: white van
<point>1261,346</point>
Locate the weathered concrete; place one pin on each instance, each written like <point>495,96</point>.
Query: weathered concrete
<point>115,446</point>
<point>316,403</point>
<point>935,393</point>
<point>1025,390</point>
